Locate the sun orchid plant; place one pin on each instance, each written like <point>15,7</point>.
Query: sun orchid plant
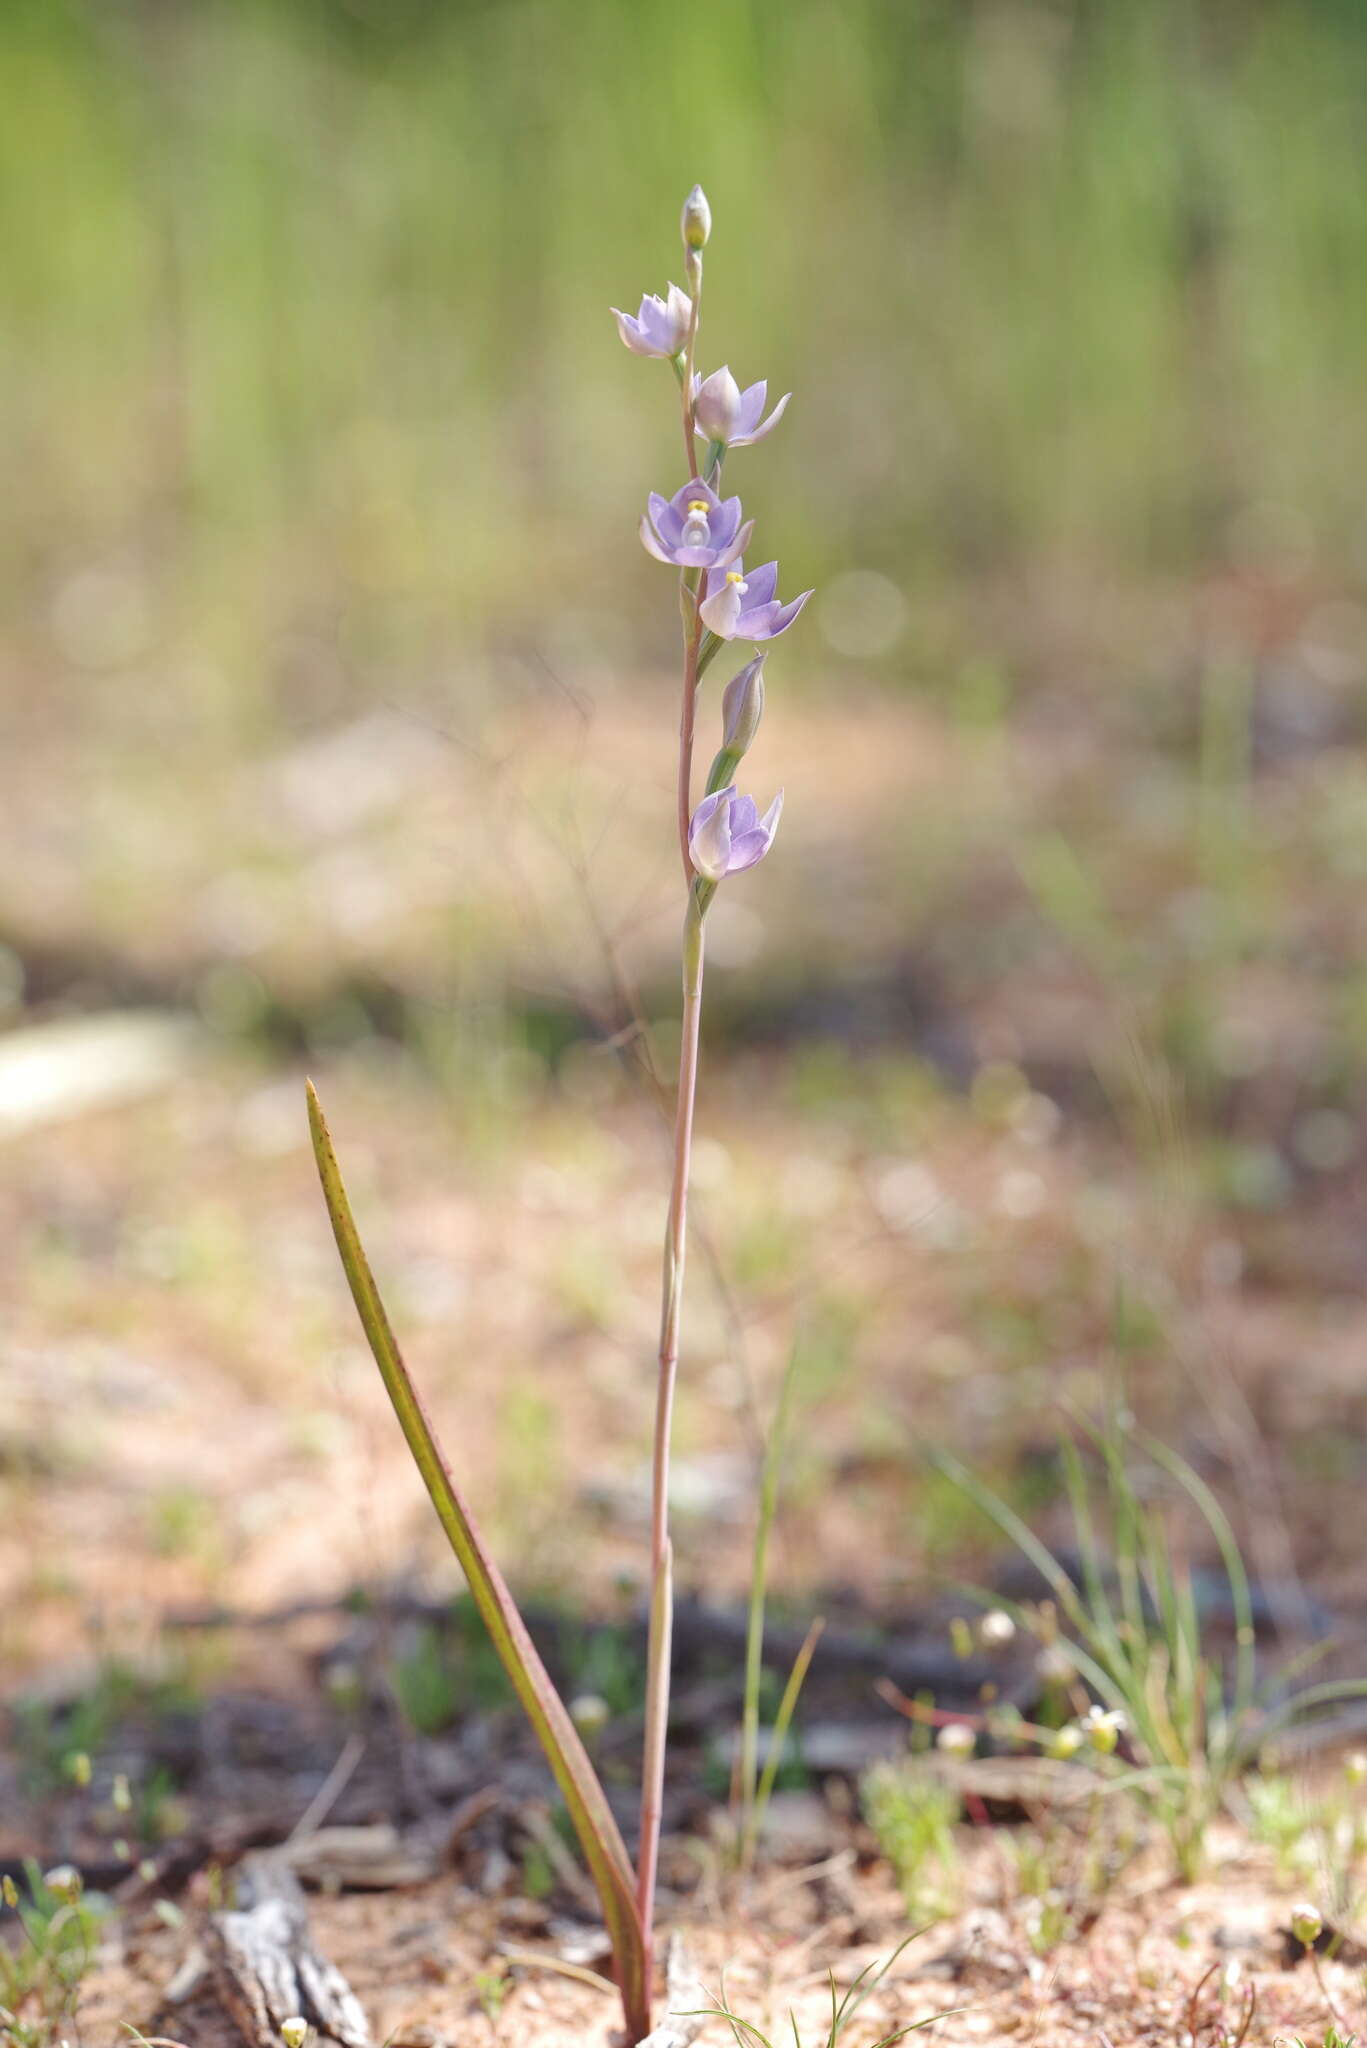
<point>702,535</point>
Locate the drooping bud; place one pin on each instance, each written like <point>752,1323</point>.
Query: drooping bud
<point>696,222</point>
<point>742,707</point>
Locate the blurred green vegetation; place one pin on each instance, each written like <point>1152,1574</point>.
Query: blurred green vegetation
<point>307,349</point>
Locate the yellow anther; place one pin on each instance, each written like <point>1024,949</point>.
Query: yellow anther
<point>698,505</point>
<point>734,576</point>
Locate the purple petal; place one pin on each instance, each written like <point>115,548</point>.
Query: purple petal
<point>666,520</point>
<point>720,612</point>
<point>729,554</point>
<point>760,586</point>
<point>757,433</point>
<point>709,803</point>
<point>769,822</point>
<point>785,615</point>
<point>650,542</point>
<point>724,522</point>
<point>630,330</point>
<point>744,815</point>
<point>709,841</point>
<point>695,491</point>
<point>746,849</point>
<point>751,408</point>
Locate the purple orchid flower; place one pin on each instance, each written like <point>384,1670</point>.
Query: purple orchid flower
<point>695,529</point>
<point>723,412</point>
<point>741,607</point>
<point>728,835</point>
<point>660,327</point>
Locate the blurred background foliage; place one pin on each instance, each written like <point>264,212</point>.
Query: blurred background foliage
<point>307,369</point>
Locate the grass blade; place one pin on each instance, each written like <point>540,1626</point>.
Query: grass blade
<point>584,1797</point>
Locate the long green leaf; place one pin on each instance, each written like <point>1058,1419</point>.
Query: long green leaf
<point>584,1797</point>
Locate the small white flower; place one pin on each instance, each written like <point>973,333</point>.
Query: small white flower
<point>1103,1728</point>
<point>956,1738</point>
<point>1306,1924</point>
<point>1064,1743</point>
<point>997,1629</point>
<point>590,1713</point>
<point>294,2032</point>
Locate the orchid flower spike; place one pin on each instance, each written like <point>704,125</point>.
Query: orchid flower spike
<point>695,529</point>
<point>723,412</point>
<point>741,607</point>
<point>728,835</point>
<point>659,328</point>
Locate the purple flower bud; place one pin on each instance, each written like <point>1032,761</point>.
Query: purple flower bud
<point>742,706</point>
<point>723,412</point>
<point>695,224</point>
<point>728,835</point>
<point>660,328</point>
<point>695,529</point>
<point>741,607</point>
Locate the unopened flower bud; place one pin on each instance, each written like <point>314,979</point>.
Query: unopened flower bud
<point>294,2032</point>
<point>121,1794</point>
<point>1306,1924</point>
<point>742,707</point>
<point>64,1882</point>
<point>9,1891</point>
<point>716,406</point>
<point>960,1637</point>
<point>590,1714</point>
<point>1064,1743</point>
<point>695,224</point>
<point>1355,1767</point>
<point>78,1767</point>
<point>997,1629</point>
<point>956,1738</point>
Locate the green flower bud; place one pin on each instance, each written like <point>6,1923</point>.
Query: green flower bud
<point>696,222</point>
<point>78,1767</point>
<point>294,2032</point>
<point>1306,1924</point>
<point>1064,1743</point>
<point>742,707</point>
<point>9,1891</point>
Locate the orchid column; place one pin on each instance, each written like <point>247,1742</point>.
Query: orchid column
<point>703,536</point>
